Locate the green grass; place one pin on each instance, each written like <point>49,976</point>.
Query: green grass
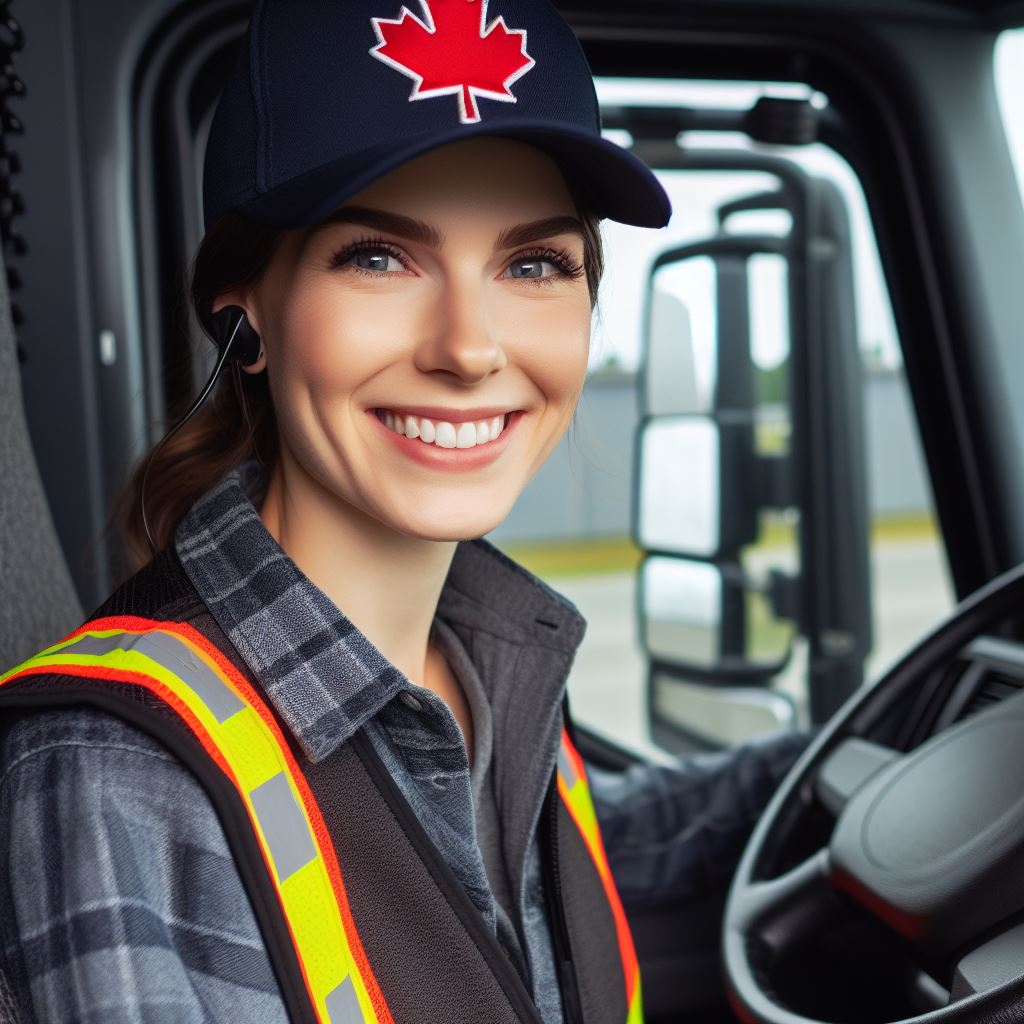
<point>606,554</point>
<point>907,527</point>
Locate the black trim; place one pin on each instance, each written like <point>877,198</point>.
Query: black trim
<point>155,717</point>
<point>572,1007</point>
<point>485,941</point>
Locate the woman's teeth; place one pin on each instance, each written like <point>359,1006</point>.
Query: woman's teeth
<point>442,434</point>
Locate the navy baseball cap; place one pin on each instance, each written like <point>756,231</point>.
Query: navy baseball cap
<point>328,95</point>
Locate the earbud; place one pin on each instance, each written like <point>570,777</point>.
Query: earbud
<point>236,340</point>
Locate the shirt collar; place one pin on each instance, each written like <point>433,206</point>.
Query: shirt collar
<point>323,675</point>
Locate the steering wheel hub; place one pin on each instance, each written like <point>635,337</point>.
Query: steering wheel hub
<point>931,844</point>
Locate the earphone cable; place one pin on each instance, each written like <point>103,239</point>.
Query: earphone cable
<point>177,426</point>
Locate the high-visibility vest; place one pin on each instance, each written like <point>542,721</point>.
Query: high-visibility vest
<point>363,919</point>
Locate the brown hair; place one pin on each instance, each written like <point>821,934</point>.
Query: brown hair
<point>237,421</point>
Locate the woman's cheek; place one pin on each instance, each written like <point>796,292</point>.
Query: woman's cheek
<point>560,348</point>
<point>336,343</point>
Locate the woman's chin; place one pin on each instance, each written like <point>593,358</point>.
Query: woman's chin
<point>466,530</point>
<point>446,525</point>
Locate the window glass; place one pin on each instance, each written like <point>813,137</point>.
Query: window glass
<point>574,524</point>
<point>1010,86</point>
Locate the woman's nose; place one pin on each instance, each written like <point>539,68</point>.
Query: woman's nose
<point>461,337</point>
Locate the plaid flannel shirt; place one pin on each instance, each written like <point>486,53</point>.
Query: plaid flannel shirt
<point>119,898</point>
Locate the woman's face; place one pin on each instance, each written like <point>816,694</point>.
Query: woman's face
<point>447,297</point>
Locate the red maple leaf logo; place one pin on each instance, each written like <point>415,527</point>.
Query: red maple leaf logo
<point>454,51</point>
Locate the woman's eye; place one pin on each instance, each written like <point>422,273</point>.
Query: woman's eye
<point>376,260</point>
<point>534,266</point>
<point>368,257</point>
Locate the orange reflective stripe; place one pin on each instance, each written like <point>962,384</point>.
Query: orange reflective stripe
<point>575,793</point>
<point>181,666</point>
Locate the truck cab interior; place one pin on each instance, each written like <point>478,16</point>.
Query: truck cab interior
<point>884,880</point>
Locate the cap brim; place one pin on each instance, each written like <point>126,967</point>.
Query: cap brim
<point>617,184</point>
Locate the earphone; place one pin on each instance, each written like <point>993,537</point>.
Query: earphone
<point>231,332</point>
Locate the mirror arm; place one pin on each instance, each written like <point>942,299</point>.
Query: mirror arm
<point>776,199</point>
<point>784,595</point>
<point>775,487</point>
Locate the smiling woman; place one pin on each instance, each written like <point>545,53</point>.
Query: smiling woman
<point>467,309</point>
<point>312,760</point>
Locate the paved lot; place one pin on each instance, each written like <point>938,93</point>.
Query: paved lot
<point>606,685</point>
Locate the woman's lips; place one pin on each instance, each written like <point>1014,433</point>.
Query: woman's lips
<point>450,458</point>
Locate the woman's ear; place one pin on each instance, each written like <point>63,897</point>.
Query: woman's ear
<point>243,301</point>
<point>261,362</point>
<point>240,298</point>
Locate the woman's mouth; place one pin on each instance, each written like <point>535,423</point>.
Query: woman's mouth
<point>440,433</point>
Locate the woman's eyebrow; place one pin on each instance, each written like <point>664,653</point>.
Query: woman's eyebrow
<point>523,234</point>
<point>382,220</point>
<point>425,234</point>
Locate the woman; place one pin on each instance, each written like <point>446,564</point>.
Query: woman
<point>304,761</point>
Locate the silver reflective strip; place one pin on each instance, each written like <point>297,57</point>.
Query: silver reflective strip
<point>343,1005</point>
<point>567,767</point>
<point>284,825</point>
<point>175,655</point>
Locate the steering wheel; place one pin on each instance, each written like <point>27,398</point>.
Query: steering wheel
<point>928,845</point>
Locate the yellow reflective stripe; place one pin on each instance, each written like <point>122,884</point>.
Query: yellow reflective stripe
<point>575,792</point>
<point>586,817</point>
<point>244,745</point>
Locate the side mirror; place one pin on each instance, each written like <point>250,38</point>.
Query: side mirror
<point>671,368</point>
<point>750,496</point>
<point>691,500</point>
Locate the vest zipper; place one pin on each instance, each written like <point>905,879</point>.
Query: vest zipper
<point>571,1007</point>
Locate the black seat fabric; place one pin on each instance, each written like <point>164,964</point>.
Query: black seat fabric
<point>38,603</point>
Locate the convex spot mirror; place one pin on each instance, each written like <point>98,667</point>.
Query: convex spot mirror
<point>711,619</point>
